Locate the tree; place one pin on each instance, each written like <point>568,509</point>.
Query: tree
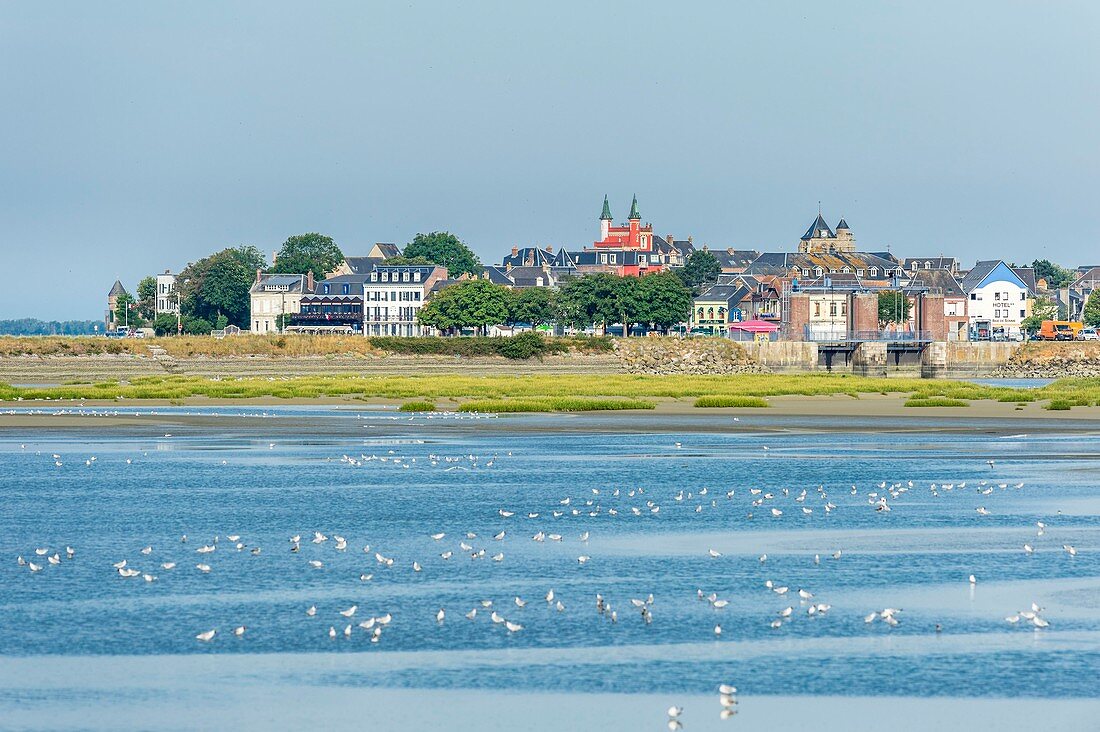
<point>1055,275</point>
<point>534,305</point>
<point>197,326</point>
<point>468,304</point>
<point>1092,309</point>
<point>665,299</point>
<point>219,285</point>
<point>893,307</point>
<point>307,253</point>
<point>446,250</point>
<point>1042,309</point>
<point>628,304</point>
<point>165,324</point>
<point>126,311</point>
<point>147,298</point>
<point>701,268</point>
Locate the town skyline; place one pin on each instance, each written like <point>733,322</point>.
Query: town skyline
<point>151,136</point>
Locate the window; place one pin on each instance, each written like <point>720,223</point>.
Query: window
<point>874,271</point>
<point>612,256</point>
<point>928,265</point>
<point>996,296</point>
<point>805,273</point>
<point>1022,314</point>
<point>346,289</point>
<point>859,273</point>
<point>832,310</point>
<point>416,276</point>
<point>373,276</point>
<point>603,258</point>
<point>404,276</point>
<point>325,288</point>
<point>1023,295</point>
<point>817,310</point>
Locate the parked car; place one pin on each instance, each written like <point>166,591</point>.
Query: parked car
<point>1088,334</point>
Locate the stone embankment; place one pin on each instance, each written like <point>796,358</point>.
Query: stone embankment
<point>685,356</point>
<point>1052,361</point>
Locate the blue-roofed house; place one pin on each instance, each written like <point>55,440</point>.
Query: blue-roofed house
<point>998,300</point>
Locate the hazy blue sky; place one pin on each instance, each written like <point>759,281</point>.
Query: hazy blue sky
<point>140,136</point>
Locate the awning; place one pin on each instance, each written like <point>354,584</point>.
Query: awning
<point>754,326</point>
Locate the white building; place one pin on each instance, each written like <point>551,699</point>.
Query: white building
<point>997,300</point>
<point>273,295</point>
<point>392,296</point>
<point>166,293</point>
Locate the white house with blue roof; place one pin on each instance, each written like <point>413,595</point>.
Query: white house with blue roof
<point>996,296</point>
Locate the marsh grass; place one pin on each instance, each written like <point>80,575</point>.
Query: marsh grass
<point>551,386</point>
<point>726,400</point>
<point>936,402</point>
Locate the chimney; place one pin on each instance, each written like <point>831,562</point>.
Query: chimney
<point>670,238</point>
<point>515,251</point>
<point>258,273</point>
<point>549,249</point>
<point>309,281</point>
<point>691,239</point>
<point>729,250</point>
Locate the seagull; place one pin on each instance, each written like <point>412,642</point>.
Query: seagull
<point>714,554</point>
<point>311,611</point>
<point>239,630</point>
<point>350,611</point>
<point>1070,549</point>
<point>206,636</point>
<point>439,616</point>
<point>438,536</point>
<point>973,580</point>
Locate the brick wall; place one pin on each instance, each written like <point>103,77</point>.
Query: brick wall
<point>864,311</point>
<point>799,316</point>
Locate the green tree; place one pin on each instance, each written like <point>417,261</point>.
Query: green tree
<point>628,304</point>
<point>165,324</point>
<point>1055,275</point>
<point>147,298</point>
<point>468,304</point>
<point>1092,309</point>
<point>446,250</point>
<point>666,300</point>
<point>702,268</point>
<point>127,313</point>
<point>534,305</point>
<point>893,307</point>
<point>220,284</point>
<point>197,326</point>
<point>1042,309</point>
<point>307,253</point>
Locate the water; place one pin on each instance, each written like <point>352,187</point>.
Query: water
<point>1014,383</point>
<point>267,474</point>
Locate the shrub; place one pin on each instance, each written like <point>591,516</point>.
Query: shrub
<point>723,400</point>
<point>417,406</point>
<point>523,346</point>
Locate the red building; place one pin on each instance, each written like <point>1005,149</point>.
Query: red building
<point>632,237</point>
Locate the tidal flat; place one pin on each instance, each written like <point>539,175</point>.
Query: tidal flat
<point>696,529</point>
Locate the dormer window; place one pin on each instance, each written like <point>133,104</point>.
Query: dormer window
<point>404,276</point>
<point>859,273</point>
<point>819,271</point>
<point>416,276</point>
<point>373,276</point>
<point>874,271</point>
<point>325,288</point>
<point>928,265</point>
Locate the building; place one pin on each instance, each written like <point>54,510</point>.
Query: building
<point>167,300</point>
<point>948,264</point>
<point>713,310</point>
<point>335,306</point>
<point>998,300</point>
<point>379,253</point>
<point>955,310</point>
<point>1086,282</point>
<point>734,261</point>
<point>820,239</point>
<point>392,296</point>
<point>522,277</point>
<point>109,318</point>
<point>275,296</point>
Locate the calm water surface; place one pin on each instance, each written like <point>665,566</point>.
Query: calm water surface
<point>634,483</point>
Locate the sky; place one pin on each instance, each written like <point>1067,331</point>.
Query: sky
<point>137,137</point>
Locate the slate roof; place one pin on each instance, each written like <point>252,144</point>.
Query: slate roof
<point>389,251</point>
<point>781,263</point>
<point>530,277</point>
<point>1027,274</point>
<point>117,289</point>
<point>362,265</point>
<point>818,230</point>
<point>528,256</point>
<point>935,262</point>
<point>729,294</point>
<point>294,282</point>
<point>938,279</point>
<point>735,258</point>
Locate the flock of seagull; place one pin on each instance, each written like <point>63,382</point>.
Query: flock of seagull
<point>636,503</point>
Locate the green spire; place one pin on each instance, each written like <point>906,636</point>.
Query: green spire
<point>606,215</point>
<point>634,210</point>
